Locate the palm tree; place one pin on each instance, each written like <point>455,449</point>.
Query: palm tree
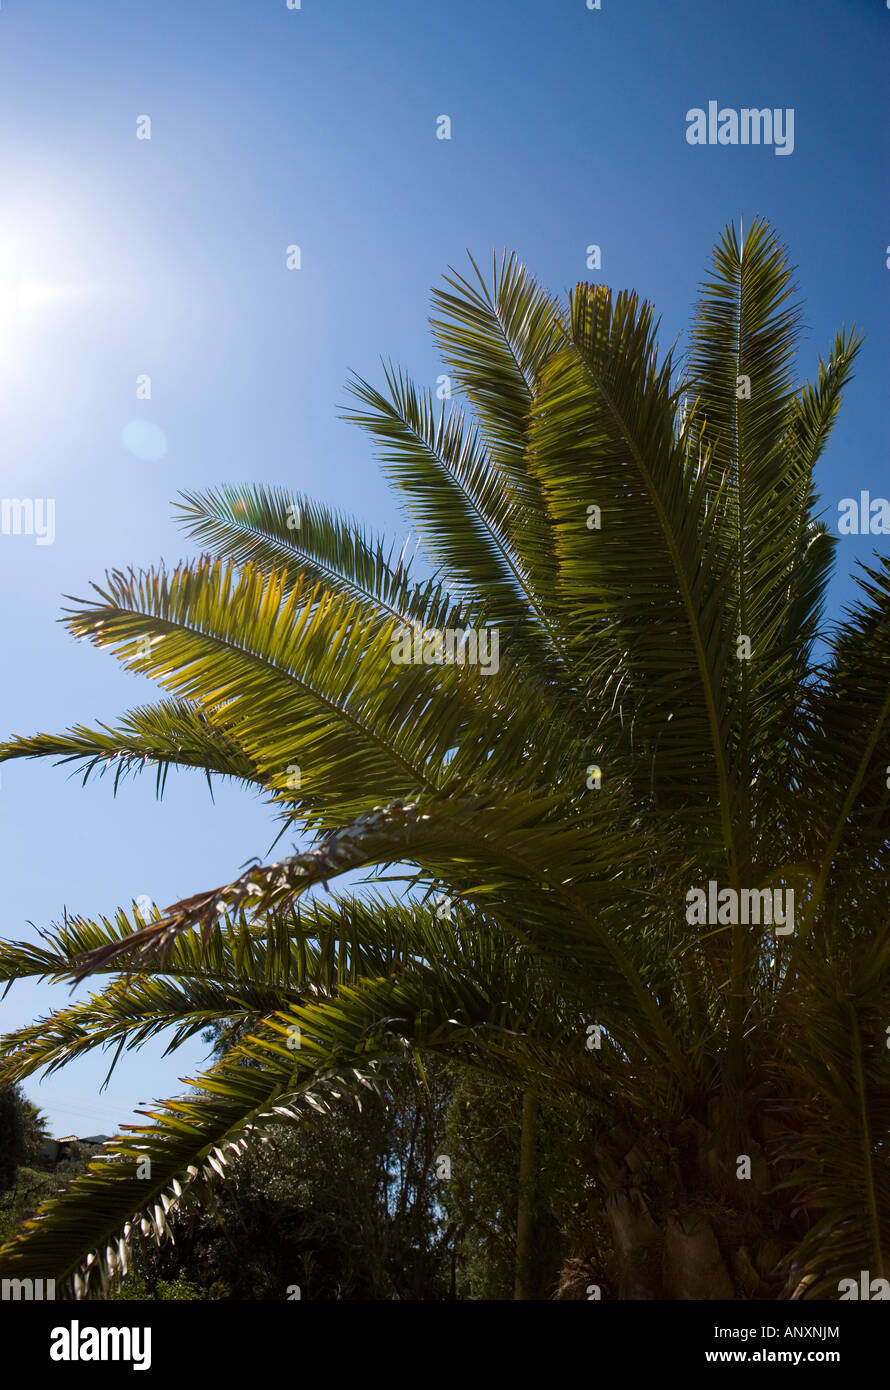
<point>668,711</point>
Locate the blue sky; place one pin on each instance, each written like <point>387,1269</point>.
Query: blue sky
<point>317,127</point>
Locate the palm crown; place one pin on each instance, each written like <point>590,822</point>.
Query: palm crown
<point>667,712</point>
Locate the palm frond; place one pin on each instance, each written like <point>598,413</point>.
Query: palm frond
<point>496,341</point>
<point>172,733</point>
<point>277,530</point>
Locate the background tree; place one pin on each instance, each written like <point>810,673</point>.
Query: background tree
<point>22,1132</point>
<point>341,1203</point>
<point>483,1136</point>
<point>12,1134</point>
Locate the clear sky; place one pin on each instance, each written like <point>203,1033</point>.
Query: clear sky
<point>317,127</point>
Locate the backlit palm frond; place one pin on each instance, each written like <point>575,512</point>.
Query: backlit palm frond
<point>303,681</point>
<point>744,337</point>
<point>277,530</point>
<point>800,589</point>
<point>457,499</point>
<point>125,1015</point>
<point>510,854</point>
<point>496,340</point>
<point>814,409</point>
<point>846,774</point>
<point>172,733</point>
<point>637,586</point>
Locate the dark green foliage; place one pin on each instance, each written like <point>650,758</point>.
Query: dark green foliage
<point>21,1133</point>
<point>12,1135</point>
<point>482,1137</point>
<point>340,1205</point>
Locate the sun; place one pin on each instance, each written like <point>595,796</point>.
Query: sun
<point>33,288</point>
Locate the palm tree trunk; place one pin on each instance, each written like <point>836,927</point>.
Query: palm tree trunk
<point>714,1237</point>
<point>526,1203</point>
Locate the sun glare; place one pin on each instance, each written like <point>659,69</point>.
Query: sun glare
<point>33,288</point>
